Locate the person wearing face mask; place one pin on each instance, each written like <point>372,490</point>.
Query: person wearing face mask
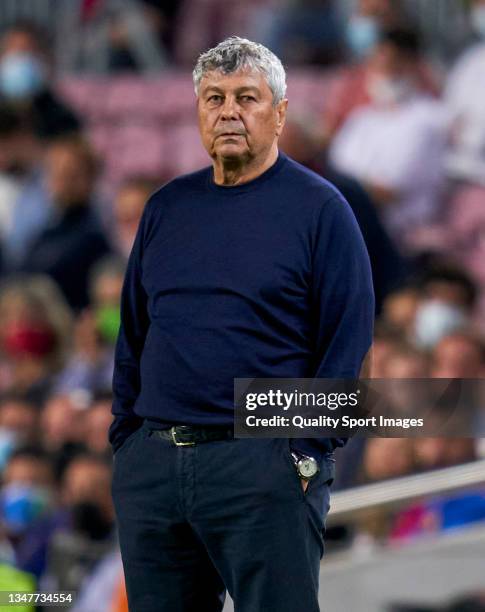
<point>465,99</point>
<point>406,180</point>
<point>26,492</point>
<point>34,333</point>
<point>25,74</point>
<point>27,501</point>
<point>366,22</point>
<point>449,298</point>
<point>365,29</point>
<point>89,534</point>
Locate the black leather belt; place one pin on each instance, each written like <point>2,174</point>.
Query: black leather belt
<point>189,435</point>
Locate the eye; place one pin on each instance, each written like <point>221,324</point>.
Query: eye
<point>248,98</point>
<point>214,98</point>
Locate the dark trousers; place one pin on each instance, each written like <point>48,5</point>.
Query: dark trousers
<point>196,520</point>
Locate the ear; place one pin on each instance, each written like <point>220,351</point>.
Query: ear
<point>281,109</point>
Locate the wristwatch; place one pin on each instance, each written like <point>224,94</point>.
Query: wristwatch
<point>307,467</point>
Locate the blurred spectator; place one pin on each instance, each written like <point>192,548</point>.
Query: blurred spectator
<point>34,335</point>
<point>62,428</point>
<point>435,453</point>
<point>399,310</point>
<point>465,231</point>
<point>163,18</point>
<point>446,305</point>
<point>405,361</point>
<point>368,19</point>
<point>27,492</point>
<point>465,99</point>
<point>353,86</point>
<point>86,490</point>
<point>203,23</point>
<point>97,420</point>
<point>387,458</point>
<point>128,208</point>
<point>106,283</point>
<point>111,36</point>
<point>451,284</point>
<point>25,73</point>
<point>386,341</point>
<point>306,32</point>
<point>90,366</point>
<point>75,549</point>
<point>73,240</point>
<point>459,355</point>
<point>19,423</point>
<point>388,268</point>
<point>29,466</point>
<point>81,524</point>
<point>23,199</point>
<point>460,233</point>
<point>405,181</point>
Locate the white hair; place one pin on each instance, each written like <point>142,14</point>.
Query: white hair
<point>234,54</point>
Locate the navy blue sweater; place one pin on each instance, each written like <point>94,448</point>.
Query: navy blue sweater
<point>267,279</point>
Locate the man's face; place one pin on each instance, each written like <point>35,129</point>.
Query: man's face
<point>68,178</point>
<point>128,208</point>
<point>17,41</point>
<point>390,62</point>
<point>237,119</point>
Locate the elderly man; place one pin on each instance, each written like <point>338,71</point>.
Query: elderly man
<point>253,267</point>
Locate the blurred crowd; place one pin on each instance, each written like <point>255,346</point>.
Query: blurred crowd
<point>401,133</point>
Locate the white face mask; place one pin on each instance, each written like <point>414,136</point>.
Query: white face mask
<point>386,91</point>
<point>477,18</point>
<point>436,319</point>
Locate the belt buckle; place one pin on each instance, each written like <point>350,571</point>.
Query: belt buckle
<point>176,442</point>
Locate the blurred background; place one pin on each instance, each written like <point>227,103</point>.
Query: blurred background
<point>97,111</point>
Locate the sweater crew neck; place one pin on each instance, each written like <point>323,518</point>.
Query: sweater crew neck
<point>249,185</point>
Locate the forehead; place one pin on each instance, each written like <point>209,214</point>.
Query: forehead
<point>18,41</point>
<point>235,80</point>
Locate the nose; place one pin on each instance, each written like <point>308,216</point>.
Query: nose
<point>229,109</point>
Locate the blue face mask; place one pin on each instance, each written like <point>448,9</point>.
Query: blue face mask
<point>362,35</point>
<point>21,75</point>
<point>477,17</point>
<point>21,505</point>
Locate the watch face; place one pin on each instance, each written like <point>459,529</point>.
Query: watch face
<point>308,467</point>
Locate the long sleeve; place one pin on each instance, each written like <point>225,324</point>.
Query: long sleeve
<point>129,346</point>
<point>342,304</point>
